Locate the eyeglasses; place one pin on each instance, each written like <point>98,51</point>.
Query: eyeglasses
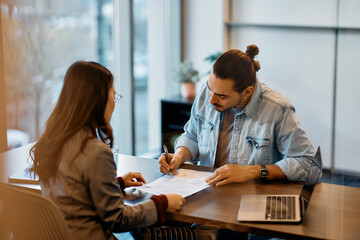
<point>117,97</point>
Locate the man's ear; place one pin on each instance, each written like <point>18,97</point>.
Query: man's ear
<point>248,91</point>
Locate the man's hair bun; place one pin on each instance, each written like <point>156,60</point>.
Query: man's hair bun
<point>252,50</point>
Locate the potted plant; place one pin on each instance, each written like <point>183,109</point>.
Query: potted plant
<point>212,58</point>
<point>187,76</point>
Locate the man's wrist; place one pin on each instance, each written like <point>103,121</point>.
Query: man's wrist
<point>183,154</point>
<point>254,171</point>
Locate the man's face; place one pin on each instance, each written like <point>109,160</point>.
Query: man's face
<point>222,95</point>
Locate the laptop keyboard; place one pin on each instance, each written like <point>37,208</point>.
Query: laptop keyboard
<point>280,207</point>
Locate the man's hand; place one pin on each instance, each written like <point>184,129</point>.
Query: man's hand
<point>170,165</point>
<point>132,179</point>
<point>233,173</point>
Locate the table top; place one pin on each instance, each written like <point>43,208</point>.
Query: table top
<point>333,212</point>
<point>13,161</point>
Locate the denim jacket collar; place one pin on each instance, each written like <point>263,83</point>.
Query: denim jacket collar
<point>252,106</point>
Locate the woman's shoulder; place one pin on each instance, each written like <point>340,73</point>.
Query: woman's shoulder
<point>97,158</point>
<point>96,147</point>
<point>93,146</point>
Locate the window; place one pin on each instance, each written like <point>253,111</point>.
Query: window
<point>140,73</point>
<point>41,39</point>
<point>157,54</point>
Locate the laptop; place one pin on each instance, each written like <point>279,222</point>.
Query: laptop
<point>278,208</point>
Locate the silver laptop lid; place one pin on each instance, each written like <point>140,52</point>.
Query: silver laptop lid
<point>309,184</point>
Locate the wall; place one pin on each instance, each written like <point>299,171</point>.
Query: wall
<point>203,32</point>
<point>164,56</point>
<point>347,128</point>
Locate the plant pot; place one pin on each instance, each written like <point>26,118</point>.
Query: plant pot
<point>187,90</point>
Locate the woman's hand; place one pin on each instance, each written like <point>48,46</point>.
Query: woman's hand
<point>132,179</point>
<point>175,201</point>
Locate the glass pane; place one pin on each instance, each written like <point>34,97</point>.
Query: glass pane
<point>41,40</point>
<point>140,58</point>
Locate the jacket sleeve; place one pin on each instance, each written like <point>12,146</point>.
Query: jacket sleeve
<point>108,199</point>
<point>189,138</point>
<point>294,144</point>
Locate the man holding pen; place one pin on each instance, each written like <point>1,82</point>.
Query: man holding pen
<point>243,128</point>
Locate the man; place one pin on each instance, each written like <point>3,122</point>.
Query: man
<point>243,128</point>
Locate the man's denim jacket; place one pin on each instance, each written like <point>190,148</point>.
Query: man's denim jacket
<point>266,131</point>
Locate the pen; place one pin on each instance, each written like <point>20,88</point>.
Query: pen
<point>166,152</point>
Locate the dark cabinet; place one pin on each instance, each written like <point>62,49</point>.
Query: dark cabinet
<point>175,112</point>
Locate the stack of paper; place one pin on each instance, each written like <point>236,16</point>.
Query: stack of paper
<point>185,182</point>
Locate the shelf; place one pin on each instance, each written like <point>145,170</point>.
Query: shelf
<point>288,26</point>
<point>175,112</point>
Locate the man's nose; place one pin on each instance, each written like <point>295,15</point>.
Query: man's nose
<point>212,98</point>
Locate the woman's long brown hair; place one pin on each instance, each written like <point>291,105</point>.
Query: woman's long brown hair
<point>81,105</point>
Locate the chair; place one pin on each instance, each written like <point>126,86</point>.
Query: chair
<point>28,215</point>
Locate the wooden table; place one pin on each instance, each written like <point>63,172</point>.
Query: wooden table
<point>333,212</point>
<point>13,161</point>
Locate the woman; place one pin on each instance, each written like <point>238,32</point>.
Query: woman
<point>75,165</point>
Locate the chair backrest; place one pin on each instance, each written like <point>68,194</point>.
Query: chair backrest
<point>30,215</point>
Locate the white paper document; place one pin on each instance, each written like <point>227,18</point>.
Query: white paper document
<point>185,182</point>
